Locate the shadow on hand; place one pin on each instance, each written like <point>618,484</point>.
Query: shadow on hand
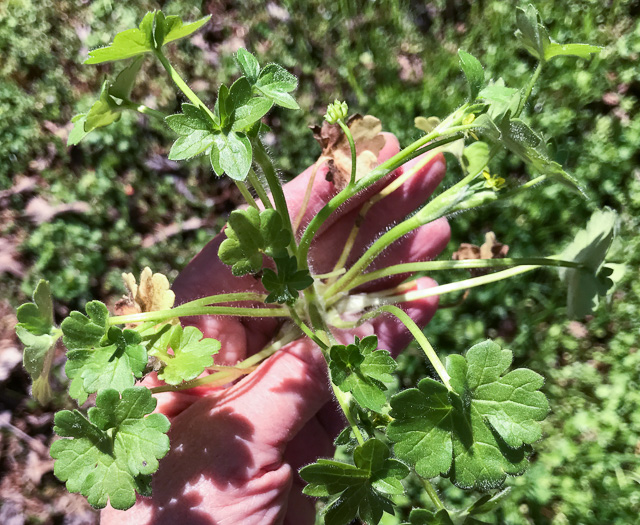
<point>208,447</point>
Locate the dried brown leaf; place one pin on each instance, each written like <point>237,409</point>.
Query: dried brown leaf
<point>152,294</point>
<point>490,249</point>
<point>368,138</point>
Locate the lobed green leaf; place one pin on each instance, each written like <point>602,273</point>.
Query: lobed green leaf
<point>360,369</point>
<point>250,235</point>
<point>36,331</point>
<point>590,246</point>
<point>100,357</point>
<point>111,454</point>
<point>191,353</point>
<point>276,83</point>
<point>284,286</point>
<point>533,36</point>
<point>154,31</point>
<point>478,433</point>
<point>360,489</point>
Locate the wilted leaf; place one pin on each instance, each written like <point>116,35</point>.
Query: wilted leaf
<point>368,138</point>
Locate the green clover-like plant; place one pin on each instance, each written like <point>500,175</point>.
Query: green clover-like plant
<point>111,454</point>
<point>479,432</point>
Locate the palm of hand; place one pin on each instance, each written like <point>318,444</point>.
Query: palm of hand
<point>235,451</point>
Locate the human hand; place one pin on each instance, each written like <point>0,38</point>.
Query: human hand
<point>235,451</point>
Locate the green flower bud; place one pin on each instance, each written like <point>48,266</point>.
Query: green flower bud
<point>336,111</point>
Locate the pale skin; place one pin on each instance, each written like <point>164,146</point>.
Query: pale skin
<point>235,451</point>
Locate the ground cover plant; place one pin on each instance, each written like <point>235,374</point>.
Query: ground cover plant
<point>283,288</point>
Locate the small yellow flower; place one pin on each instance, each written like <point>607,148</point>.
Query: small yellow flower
<point>492,181</point>
<point>468,119</point>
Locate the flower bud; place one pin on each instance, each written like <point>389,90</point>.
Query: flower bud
<point>336,111</point>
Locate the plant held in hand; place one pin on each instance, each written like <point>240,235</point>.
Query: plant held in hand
<point>474,422</point>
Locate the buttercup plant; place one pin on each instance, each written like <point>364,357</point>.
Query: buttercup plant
<point>474,422</point>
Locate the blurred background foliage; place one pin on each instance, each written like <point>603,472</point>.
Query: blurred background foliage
<point>80,216</point>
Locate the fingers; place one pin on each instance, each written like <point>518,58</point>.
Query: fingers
<point>414,192</point>
<point>226,459</point>
<point>323,190</point>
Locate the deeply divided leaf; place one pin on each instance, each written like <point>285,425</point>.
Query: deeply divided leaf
<point>283,287</point>
<point>100,357</point>
<point>478,433</point>
<point>360,369</point>
<point>109,456</point>
<point>190,354</point>
<point>359,490</point>
<point>250,235</point>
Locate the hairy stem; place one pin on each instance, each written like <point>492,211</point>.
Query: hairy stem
<point>460,265</point>
<point>226,298</point>
<point>418,147</point>
<point>343,401</point>
<point>416,332</point>
<point>187,311</point>
<point>246,194</point>
<point>528,89</point>
<point>257,185</point>
<point>182,85</point>
<point>352,147</point>
<point>433,495</point>
<point>453,287</point>
<point>145,110</point>
<point>262,158</point>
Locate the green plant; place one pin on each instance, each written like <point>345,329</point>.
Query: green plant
<point>464,420</point>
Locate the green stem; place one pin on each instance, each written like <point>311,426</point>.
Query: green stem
<point>433,495</point>
<point>257,185</point>
<point>145,110</point>
<point>182,85</point>
<point>418,147</point>
<point>181,311</point>
<point>308,332</point>
<point>459,265</point>
<point>419,336</point>
<point>246,194</point>
<point>436,208</point>
<point>453,287</point>
<point>343,401</point>
<point>529,89</point>
<point>226,298</point>
<point>352,146</point>
<point>262,158</point>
